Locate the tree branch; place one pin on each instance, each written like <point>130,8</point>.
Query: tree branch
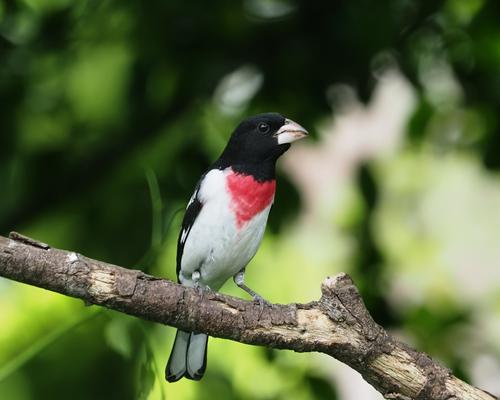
<point>338,324</point>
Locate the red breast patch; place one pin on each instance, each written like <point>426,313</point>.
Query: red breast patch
<point>248,196</point>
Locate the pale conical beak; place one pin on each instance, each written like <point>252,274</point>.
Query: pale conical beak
<point>290,132</point>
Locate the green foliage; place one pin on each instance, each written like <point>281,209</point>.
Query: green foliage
<point>111,110</point>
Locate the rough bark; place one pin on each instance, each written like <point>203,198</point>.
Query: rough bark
<point>338,324</point>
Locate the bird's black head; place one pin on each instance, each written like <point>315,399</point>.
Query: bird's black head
<point>258,142</point>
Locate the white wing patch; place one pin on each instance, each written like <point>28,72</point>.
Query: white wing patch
<point>192,198</point>
<point>184,235</point>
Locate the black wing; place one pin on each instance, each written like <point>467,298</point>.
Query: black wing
<point>193,209</point>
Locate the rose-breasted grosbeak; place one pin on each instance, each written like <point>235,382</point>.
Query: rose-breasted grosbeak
<point>225,220</point>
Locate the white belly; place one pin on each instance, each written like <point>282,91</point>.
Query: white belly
<point>216,246</point>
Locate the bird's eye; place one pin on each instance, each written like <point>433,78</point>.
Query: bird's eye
<point>263,127</point>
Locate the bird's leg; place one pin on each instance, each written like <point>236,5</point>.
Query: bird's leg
<point>239,279</point>
<point>195,277</point>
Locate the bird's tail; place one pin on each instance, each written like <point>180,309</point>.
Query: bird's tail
<point>188,357</point>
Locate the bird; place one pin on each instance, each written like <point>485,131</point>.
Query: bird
<point>224,223</point>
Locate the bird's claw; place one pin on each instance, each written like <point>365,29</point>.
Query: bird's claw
<point>262,302</point>
<point>202,289</point>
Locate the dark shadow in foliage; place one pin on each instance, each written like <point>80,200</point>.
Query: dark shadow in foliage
<point>435,328</point>
<point>369,262</point>
<point>216,386</point>
<point>91,354</point>
<point>321,388</point>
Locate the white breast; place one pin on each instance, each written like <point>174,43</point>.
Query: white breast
<point>215,246</point>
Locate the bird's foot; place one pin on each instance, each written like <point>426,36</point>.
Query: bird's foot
<point>262,302</point>
<point>202,289</point>
<point>195,277</point>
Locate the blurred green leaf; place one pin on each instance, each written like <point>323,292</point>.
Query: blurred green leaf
<point>156,209</point>
<point>111,111</point>
<point>117,334</point>
<point>148,372</point>
<point>41,344</point>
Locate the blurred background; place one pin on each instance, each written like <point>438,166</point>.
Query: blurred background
<point>111,110</point>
